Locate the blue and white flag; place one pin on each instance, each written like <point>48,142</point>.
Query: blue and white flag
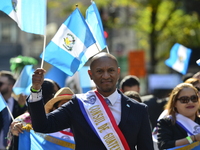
<point>24,81</point>
<point>72,45</point>
<point>3,103</point>
<point>93,20</point>
<point>56,75</point>
<point>38,141</point>
<point>30,15</point>
<point>86,84</point>
<point>179,58</point>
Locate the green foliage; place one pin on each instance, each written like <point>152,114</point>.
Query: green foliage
<point>157,24</point>
<point>18,63</point>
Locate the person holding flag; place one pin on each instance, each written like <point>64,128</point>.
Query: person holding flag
<point>101,119</point>
<point>7,81</point>
<point>181,124</point>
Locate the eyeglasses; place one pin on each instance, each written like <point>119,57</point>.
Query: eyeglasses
<point>198,89</point>
<point>186,99</point>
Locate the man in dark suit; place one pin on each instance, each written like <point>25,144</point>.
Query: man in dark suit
<point>122,123</point>
<point>7,81</point>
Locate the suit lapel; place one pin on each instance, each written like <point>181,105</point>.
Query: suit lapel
<point>125,110</point>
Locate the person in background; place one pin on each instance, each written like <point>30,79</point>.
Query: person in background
<point>187,76</point>
<point>61,97</point>
<point>89,115</point>
<point>180,127</point>
<point>49,88</point>
<point>134,95</point>
<point>7,82</point>
<point>130,83</point>
<point>195,82</point>
<point>196,75</point>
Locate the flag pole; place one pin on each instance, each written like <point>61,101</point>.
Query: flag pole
<point>10,112</point>
<point>42,63</point>
<point>107,49</point>
<point>97,47</point>
<point>44,44</point>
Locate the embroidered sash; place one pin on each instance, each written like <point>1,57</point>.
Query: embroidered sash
<point>191,127</point>
<point>101,120</point>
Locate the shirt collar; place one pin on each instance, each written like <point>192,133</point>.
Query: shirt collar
<point>113,97</point>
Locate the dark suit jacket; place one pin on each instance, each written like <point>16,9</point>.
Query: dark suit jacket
<point>17,110</point>
<point>134,124</point>
<point>155,107</point>
<point>168,133</point>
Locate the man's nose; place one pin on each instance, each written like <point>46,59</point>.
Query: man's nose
<point>106,74</point>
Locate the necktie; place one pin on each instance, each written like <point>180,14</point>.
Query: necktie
<point>6,124</point>
<point>107,101</point>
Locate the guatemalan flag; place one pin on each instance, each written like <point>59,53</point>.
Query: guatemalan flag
<point>3,103</point>
<point>72,45</point>
<point>31,140</point>
<point>179,58</point>
<point>24,81</point>
<point>56,75</point>
<point>93,20</point>
<point>30,15</point>
<point>86,84</point>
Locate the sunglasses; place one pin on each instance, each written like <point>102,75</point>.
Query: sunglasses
<point>186,99</point>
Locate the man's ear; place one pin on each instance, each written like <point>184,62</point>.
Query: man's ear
<point>118,70</point>
<point>90,74</point>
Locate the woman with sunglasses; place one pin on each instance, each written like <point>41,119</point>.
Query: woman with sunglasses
<point>182,124</point>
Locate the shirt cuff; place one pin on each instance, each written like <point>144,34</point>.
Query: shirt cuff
<point>34,97</point>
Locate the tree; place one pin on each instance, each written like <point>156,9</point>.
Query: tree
<point>158,24</point>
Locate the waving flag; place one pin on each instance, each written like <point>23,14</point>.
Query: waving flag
<point>30,15</point>
<point>179,58</point>
<point>38,141</point>
<point>93,19</point>
<point>57,75</point>
<point>3,104</point>
<point>72,45</point>
<point>86,83</point>
<point>23,83</point>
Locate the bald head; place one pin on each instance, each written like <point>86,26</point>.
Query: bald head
<point>104,71</point>
<point>102,55</point>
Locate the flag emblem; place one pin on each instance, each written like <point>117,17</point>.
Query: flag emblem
<point>180,58</point>
<point>14,4</point>
<point>69,42</point>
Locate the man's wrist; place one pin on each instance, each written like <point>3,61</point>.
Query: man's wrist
<point>34,90</point>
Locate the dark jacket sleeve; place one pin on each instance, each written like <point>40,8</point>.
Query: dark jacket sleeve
<point>145,133</point>
<point>168,133</point>
<point>17,110</point>
<point>52,122</point>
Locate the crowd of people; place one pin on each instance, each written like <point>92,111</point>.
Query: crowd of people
<point>106,117</point>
